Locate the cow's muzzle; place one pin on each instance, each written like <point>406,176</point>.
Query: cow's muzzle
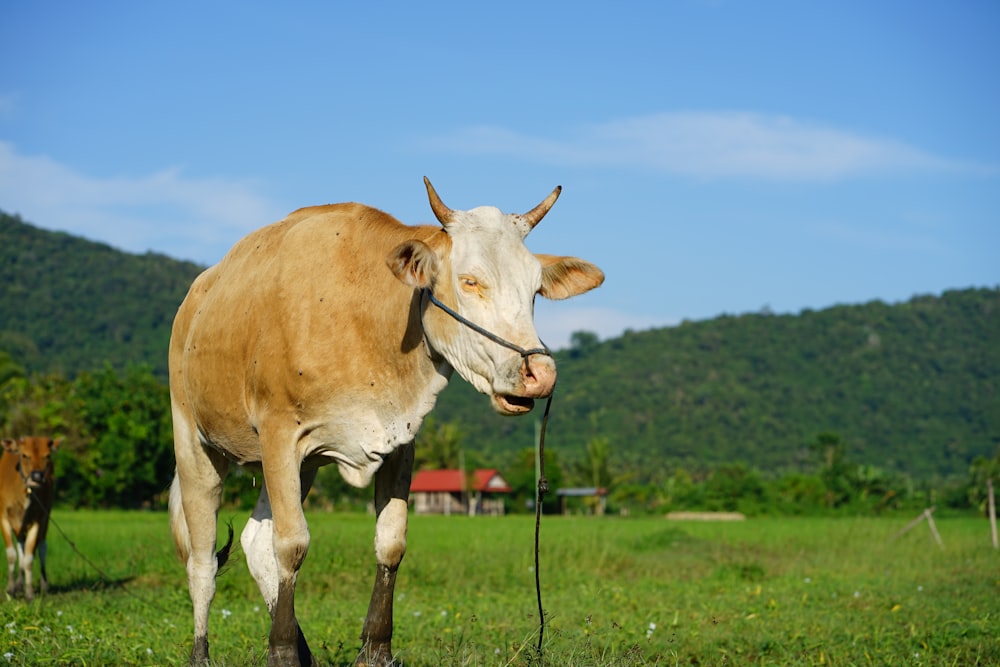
<point>534,378</point>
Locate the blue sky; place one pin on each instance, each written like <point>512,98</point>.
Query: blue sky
<point>716,156</point>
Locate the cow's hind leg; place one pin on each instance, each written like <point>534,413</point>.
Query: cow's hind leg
<point>392,490</point>
<point>257,540</point>
<point>43,548</point>
<point>195,497</point>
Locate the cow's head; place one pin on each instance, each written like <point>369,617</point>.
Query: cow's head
<point>34,458</point>
<point>484,272</point>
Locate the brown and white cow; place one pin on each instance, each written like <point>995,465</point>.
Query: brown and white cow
<point>27,483</point>
<point>300,349</point>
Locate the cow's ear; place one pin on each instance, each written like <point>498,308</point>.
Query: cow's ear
<point>563,277</point>
<point>10,445</point>
<point>413,263</point>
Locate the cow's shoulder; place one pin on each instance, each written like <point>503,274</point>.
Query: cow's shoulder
<point>11,485</point>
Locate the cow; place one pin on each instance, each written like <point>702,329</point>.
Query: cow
<point>326,338</point>
<point>27,483</point>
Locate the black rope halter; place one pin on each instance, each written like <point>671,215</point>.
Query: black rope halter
<point>543,483</point>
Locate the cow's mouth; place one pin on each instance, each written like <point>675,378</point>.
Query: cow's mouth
<point>512,405</point>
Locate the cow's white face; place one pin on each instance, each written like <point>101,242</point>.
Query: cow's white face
<point>490,277</point>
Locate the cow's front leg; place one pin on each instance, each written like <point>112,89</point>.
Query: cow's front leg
<point>28,560</point>
<point>258,545</point>
<point>10,541</point>
<point>392,490</point>
<point>285,489</point>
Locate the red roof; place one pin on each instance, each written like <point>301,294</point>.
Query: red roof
<point>450,481</point>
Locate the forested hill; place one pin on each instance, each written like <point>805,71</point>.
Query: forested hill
<point>68,304</point>
<point>911,387</point>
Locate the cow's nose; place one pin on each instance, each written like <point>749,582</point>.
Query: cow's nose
<point>37,476</point>
<point>539,373</point>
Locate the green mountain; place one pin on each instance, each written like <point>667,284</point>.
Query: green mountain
<point>911,387</point>
<point>68,304</point>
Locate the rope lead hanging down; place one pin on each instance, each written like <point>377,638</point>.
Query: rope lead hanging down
<point>543,488</point>
<point>543,483</point>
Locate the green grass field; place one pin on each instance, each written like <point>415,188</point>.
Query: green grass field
<point>616,592</point>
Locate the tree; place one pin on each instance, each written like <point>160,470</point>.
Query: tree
<point>982,470</point>
<point>438,446</point>
<point>735,487</point>
<point>123,456</point>
<point>582,342</point>
<point>594,470</point>
<point>835,470</point>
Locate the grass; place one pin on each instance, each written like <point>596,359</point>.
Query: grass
<point>615,591</point>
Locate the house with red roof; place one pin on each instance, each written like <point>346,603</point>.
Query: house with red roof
<point>457,492</point>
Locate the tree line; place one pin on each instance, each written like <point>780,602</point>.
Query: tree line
<point>118,452</point>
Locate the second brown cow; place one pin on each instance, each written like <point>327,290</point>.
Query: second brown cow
<point>27,483</point>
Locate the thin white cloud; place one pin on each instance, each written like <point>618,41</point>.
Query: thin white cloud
<point>166,211</point>
<point>710,145</point>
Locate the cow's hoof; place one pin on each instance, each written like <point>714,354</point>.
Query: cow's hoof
<point>375,654</point>
<point>289,658</point>
<point>199,652</point>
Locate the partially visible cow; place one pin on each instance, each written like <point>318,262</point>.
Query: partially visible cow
<point>27,482</point>
<point>300,349</point>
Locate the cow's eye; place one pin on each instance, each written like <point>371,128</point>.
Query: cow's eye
<point>468,283</point>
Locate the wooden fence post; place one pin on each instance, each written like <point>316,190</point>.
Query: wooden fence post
<point>934,531</point>
<point>993,512</point>
<point>926,514</point>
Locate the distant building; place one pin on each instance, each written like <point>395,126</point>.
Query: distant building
<point>453,492</point>
<point>584,492</point>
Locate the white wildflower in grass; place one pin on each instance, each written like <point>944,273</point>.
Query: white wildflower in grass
<point>808,580</point>
<point>10,656</point>
<point>496,651</point>
<point>149,651</point>
<point>416,613</point>
<point>649,630</point>
<point>444,612</point>
<point>226,613</point>
<point>857,594</point>
<point>920,589</point>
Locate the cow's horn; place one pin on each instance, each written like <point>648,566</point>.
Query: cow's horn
<point>535,215</point>
<point>441,212</point>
